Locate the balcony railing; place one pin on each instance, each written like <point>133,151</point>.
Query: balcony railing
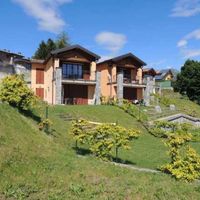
<point>83,76</point>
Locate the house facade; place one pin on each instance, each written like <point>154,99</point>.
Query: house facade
<point>122,77</point>
<point>14,63</point>
<point>164,79</point>
<point>67,76</point>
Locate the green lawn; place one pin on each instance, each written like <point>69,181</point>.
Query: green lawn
<point>34,165</point>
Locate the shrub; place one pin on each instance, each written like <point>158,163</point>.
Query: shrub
<point>14,91</point>
<point>186,168</point>
<point>103,138</point>
<point>45,125</point>
<point>79,131</point>
<point>185,164</point>
<point>101,141</point>
<point>162,129</point>
<point>133,110</point>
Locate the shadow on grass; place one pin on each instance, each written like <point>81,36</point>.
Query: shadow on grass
<point>30,114</point>
<point>84,152</point>
<point>121,161</point>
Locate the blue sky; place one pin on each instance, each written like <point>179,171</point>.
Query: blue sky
<point>164,33</point>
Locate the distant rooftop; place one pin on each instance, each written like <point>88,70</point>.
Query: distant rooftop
<point>6,51</point>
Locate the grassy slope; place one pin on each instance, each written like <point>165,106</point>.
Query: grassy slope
<point>36,166</point>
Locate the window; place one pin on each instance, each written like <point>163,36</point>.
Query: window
<point>72,71</point>
<point>39,76</point>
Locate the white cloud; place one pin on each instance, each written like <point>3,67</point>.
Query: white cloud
<point>111,41</point>
<point>190,53</point>
<point>183,44</point>
<point>45,12</point>
<point>186,8</point>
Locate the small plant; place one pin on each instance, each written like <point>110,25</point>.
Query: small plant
<point>45,125</point>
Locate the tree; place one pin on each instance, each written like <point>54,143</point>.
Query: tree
<point>62,40</point>
<point>41,52</point>
<point>50,46</point>
<point>45,48</point>
<point>15,91</point>
<point>188,81</point>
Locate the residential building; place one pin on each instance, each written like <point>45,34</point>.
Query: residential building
<point>14,63</point>
<point>164,79</point>
<point>122,77</point>
<point>67,76</point>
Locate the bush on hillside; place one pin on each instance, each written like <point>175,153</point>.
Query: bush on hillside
<point>14,90</point>
<point>185,162</point>
<point>103,139</point>
<point>162,129</point>
<point>133,110</point>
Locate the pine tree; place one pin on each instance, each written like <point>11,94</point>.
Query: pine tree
<point>62,40</point>
<point>50,46</point>
<point>41,52</point>
<point>45,48</point>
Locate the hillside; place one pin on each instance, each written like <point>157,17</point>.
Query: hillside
<point>34,165</point>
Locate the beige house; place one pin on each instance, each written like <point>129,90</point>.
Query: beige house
<point>71,75</point>
<point>67,76</point>
<point>122,78</point>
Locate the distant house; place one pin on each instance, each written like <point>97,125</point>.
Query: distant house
<point>149,72</point>
<point>14,63</point>
<point>164,78</point>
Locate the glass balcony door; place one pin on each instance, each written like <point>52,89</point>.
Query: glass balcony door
<point>72,71</point>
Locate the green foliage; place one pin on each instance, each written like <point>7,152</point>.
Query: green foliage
<point>45,125</point>
<point>134,111</point>
<point>163,99</point>
<point>20,192</point>
<point>103,138</point>
<point>185,164</point>
<point>45,48</point>
<point>122,137</point>
<point>41,52</point>
<point>62,40</point>
<point>14,90</point>
<point>186,168</point>
<point>79,131</point>
<point>188,80</point>
<point>163,128</point>
<point>101,141</point>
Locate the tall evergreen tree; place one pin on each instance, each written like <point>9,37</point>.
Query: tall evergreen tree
<point>45,48</point>
<point>41,52</point>
<point>62,40</point>
<point>50,45</point>
<point>188,80</point>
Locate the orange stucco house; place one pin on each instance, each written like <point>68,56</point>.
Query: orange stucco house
<point>71,75</point>
<point>67,76</point>
<point>122,78</point>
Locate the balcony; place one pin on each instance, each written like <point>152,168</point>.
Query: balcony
<point>128,82</point>
<point>84,77</point>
